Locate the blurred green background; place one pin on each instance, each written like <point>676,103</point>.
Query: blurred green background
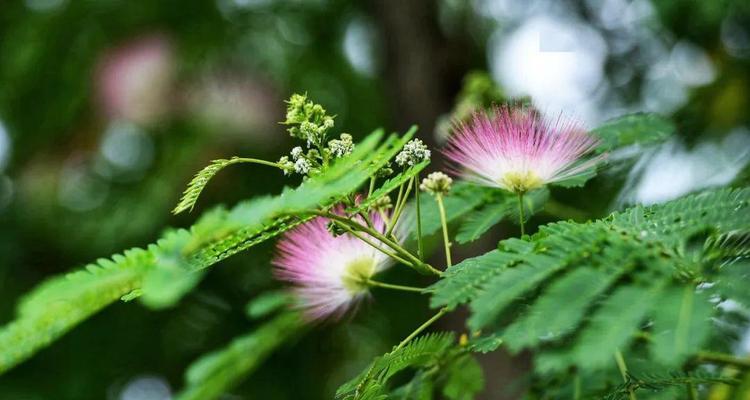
<point>108,107</point>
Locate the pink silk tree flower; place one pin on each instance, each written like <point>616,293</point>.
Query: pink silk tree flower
<point>512,148</point>
<point>329,272</point>
<point>134,81</point>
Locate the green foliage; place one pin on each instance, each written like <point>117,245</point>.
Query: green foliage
<point>547,318</point>
<point>464,280</point>
<point>463,198</point>
<point>505,206</point>
<point>465,379</point>
<point>580,291</point>
<point>681,319</point>
<point>638,128</point>
<point>660,382</point>
<point>612,325</point>
<point>60,303</point>
<point>268,303</point>
<point>165,271</point>
<point>423,351</point>
<point>389,186</point>
<point>212,375</point>
<point>199,182</point>
<point>732,282</point>
<point>437,359</point>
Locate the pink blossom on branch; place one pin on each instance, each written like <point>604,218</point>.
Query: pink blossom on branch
<point>514,149</point>
<point>329,272</point>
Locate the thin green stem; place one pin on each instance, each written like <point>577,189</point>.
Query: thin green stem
<point>384,216</point>
<point>420,244</point>
<point>721,358</point>
<point>692,392</point>
<point>234,160</point>
<point>577,387</point>
<point>384,285</point>
<point>368,241</point>
<point>444,224</point>
<point>372,186</point>
<point>623,372</point>
<point>521,217</point>
<point>377,235</point>
<point>399,208</point>
<point>422,327</point>
<point>366,218</point>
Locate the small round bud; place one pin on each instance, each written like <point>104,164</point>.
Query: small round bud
<point>335,229</point>
<point>286,165</point>
<point>384,171</point>
<point>382,203</point>
<point>436,183</point>
<point>313,154</point>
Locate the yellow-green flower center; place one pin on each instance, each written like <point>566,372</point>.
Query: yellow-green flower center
<point>521,182</point>
<point>357,273</point>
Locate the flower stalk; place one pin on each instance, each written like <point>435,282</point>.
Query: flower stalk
<point>420,244</point>
<point>444,224</point>
<point>422,327</point>
<point>521,217</point>
<point>402,288</point>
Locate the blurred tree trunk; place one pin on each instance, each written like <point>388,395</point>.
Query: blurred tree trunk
<point>416,62</point>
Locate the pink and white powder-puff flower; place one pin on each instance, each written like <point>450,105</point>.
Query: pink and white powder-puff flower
<point>330,273</point>
<point>513,148</point>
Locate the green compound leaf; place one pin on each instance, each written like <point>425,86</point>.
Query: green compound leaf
<point>682,322</point>
<point>476,223</point>
<point>60,303</point>
<point>577,292</point>
<point>633,129</point>
<point>423,352</point>
<point>212,375</point>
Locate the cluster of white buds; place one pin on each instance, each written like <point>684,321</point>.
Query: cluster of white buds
<point>436,183</point>
<point>299,162</point>
<point>286,165</point>
<point>297,153</point>
<point>308,121</point>
<point>302,166</point>
<point>413,153</point>
<point>342,146</point>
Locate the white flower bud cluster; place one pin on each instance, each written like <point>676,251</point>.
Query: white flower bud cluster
<point>300,162</point>
<point>436,183</point>
<point>286,165</point>
<point>343,146</point>
<point>302,166</point>
<point>309,122</point>
<point>413,153</point>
